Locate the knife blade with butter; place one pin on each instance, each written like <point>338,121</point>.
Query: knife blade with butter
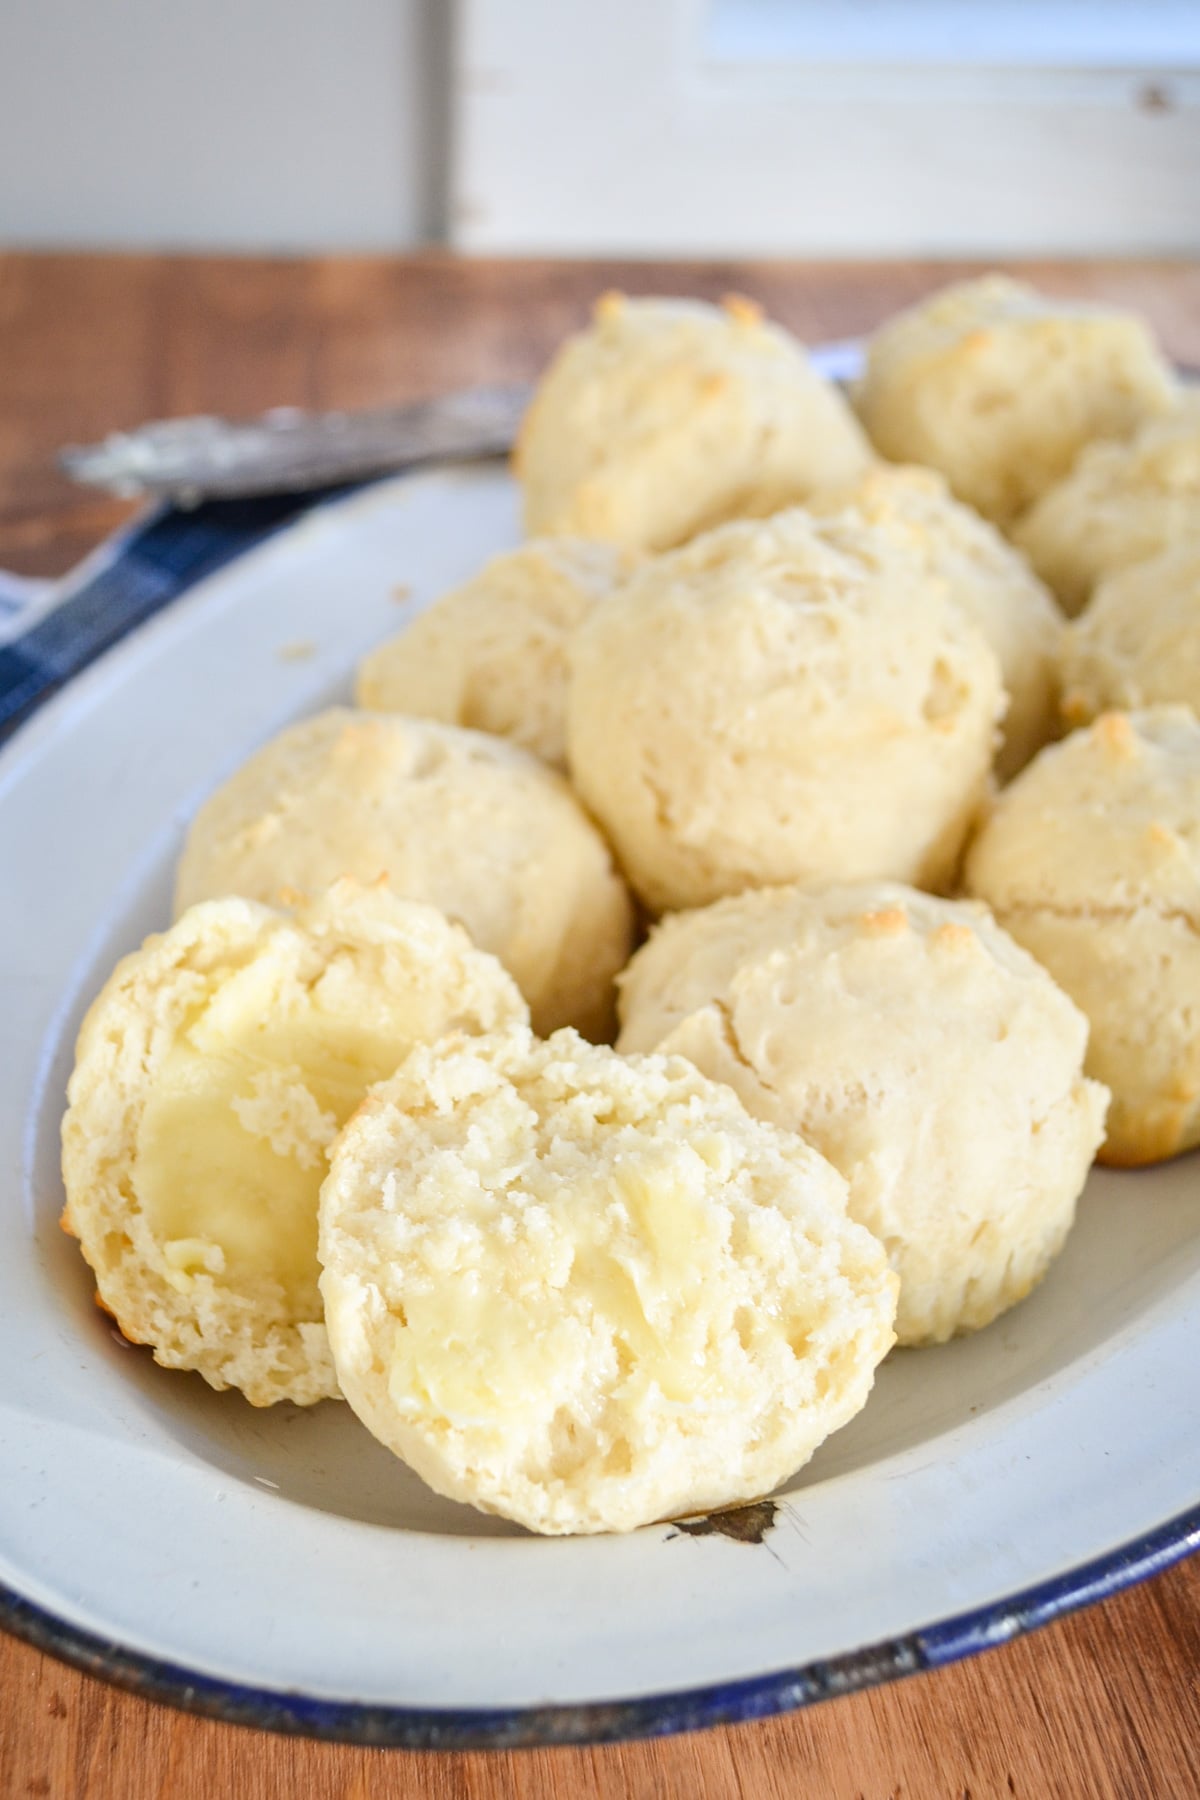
<point>291,451</point>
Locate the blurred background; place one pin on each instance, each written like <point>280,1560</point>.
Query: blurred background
<point>322,163</point>
<point>702,127</point>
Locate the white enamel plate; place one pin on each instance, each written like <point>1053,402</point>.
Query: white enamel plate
<point>279,1567</point>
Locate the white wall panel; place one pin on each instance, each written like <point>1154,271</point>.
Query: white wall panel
<point>263,124</point>
<point>653,127</point>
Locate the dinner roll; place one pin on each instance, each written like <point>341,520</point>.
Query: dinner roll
<point>1000,387</point>
<point>667,416</point>
<point>1092,861</point>
<point>493,655</point>
<point>989,580</point>
<point>586,1292</point>
<point>785,700</point>
<point>918,1048</point>
<point>1120,504</point>
<point>474,826</point>
<point>212,1074</point>
<point>1138,641</point>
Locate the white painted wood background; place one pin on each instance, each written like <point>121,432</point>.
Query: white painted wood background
<point>754,126</point>
<point>583,126</point>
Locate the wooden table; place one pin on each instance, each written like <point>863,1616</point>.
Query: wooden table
<point>1106,1703</point>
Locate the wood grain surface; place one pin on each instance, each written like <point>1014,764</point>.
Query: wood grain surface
<point>1106,1703</point>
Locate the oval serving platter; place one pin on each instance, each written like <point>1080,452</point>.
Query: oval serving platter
<point>279,1568</point>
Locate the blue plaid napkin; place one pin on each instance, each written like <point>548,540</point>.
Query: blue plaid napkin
<point>48,634</point>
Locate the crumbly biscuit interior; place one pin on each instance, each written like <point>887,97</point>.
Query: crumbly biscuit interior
<point>585,1291</point>
<point>628,1240</point>
<point>264,1071</point>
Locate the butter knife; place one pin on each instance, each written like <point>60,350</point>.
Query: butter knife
<point>290,451</point>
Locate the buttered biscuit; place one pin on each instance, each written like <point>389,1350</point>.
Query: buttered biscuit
<point>667,417</point>
<point>587,1292</point>
<point>1092,861</point>
<point>785,700</point>
<point>212,1074</point>
<point>492,655</point>
<point>1138,641</point>
<point>1000,387</point>
<point>989,580</point>
<point>918,1048</point>
<point>471,825</point>
<point>1120,504</point>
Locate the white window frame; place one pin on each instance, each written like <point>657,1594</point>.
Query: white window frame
<point>607,127</point>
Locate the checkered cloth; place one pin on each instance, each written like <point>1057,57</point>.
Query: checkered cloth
<point>51,631</point>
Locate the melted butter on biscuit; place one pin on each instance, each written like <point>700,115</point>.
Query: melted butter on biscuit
<point>587,1291</point>
<point>635,1250</point>
<point>244,1106</point>
<point>213,1074</point>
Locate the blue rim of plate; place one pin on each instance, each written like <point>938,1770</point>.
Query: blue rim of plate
<point>609,1721</point>
<point>133,577</point>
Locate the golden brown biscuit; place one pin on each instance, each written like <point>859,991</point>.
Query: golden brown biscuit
<point>989,580</point>
<point>1000,387</point>
<point>1091,859</point>
<point>1120,504</point>
<point>492,655</point>
<point>467,823</point>
<point>787,700</point>
<point>1138,641</point>
<point>918,1048</point>
<point>667,417</point>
